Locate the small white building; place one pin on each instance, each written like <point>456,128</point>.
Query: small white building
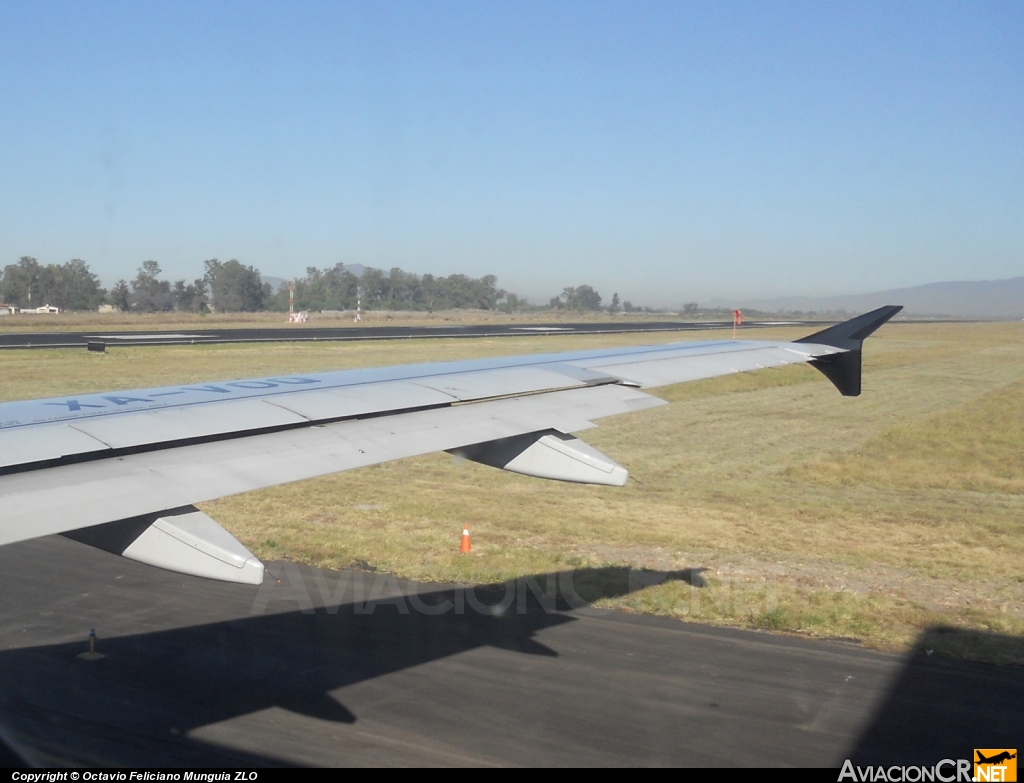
<point>44,310</point>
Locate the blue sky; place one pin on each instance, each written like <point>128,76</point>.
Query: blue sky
<point>667,151</point>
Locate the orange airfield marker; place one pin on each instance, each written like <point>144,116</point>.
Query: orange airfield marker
<point>737,319</point>
<point>465,545</point>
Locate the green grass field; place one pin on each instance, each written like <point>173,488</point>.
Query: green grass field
<point>872,518</point>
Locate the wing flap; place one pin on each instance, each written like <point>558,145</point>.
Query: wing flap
<point>498,383</point>
<point>121,429</point>
<point>68,497</point>
<point>46,442</point>
<point>364,400</point>
<point>174,424</point>
<point>648,372</point>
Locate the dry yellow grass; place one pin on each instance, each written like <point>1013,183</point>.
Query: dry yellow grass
<point>872,517</point>
<point>978,447</point>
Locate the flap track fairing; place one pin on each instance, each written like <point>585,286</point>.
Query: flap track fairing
<point>548,454</point>
<point>184,540</point>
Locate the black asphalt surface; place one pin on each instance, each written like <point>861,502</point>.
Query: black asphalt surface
<point>356,668</point>
<point>299,333</point>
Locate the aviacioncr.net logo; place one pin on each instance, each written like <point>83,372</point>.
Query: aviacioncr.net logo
<point>946,771</point>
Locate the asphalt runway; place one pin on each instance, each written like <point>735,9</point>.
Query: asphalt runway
<point>350,333</point>
<point>356,668</point>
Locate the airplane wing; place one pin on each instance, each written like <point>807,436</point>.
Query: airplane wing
<point>121,471</point>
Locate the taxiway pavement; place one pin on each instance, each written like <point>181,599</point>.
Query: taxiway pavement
<point>299,333</point>
<point>358,668</point>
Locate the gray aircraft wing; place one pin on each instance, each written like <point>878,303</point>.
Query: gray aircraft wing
<point>121,471</point>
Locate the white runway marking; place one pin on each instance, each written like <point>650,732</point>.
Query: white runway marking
<point>161,336</point>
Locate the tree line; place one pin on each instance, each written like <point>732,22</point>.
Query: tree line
<point>70,286</point>
<point>231,286</point>
<point>339,288</point>
<point>226,286</point>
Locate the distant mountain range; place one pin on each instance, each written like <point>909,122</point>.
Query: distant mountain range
<point>961,299</point>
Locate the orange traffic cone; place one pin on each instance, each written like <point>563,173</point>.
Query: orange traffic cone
<point>464,545</point>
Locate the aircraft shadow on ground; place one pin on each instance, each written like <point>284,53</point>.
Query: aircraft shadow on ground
<point>310,635</point>
<point>939,701</point>
<point>137,704</point>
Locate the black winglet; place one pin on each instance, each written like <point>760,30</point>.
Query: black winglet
<point>843,369</point>
<point>850,335</point>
